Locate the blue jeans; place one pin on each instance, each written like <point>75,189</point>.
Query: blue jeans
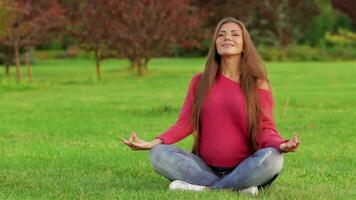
<point>260,169</point>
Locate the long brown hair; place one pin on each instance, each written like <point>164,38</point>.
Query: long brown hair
<point>252,71</point>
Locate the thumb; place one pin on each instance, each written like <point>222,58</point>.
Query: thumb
<point>295,138</point>
<point>134,136</point>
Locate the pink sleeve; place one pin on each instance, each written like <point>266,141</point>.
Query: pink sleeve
<point>269,136</point>
<point>182,127</point>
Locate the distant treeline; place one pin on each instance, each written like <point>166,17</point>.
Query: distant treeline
<point>139,30</point>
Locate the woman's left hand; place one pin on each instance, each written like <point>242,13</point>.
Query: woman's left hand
<point>290,146</point>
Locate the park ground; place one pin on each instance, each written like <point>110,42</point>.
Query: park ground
<point>60,135</point>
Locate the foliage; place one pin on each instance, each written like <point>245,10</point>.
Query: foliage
<point>6,17</point>
<point>273,22</point>
<point>347,6</point>
<point>30,24</point>
<point>306,53</point>
<point>319,25</point>
<point>150,28</point>
<point>33,20</point>
<point>92,25</point>
<point>343,37</point>
<point>137,30</point>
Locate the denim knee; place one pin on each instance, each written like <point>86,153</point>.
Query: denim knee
<point>157,151</point>
<point>272,159</point>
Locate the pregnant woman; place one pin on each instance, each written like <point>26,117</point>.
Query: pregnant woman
<point>229,111</point>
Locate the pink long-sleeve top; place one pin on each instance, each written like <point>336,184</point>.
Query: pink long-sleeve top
<point>224,140</point>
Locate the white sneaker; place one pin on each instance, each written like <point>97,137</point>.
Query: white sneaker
<point>253,191</point>
<point>181,185</point>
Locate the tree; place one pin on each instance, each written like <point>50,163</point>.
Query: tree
<point>6,58</point>
<point>287,18</point>
<point>270,21</point>
<point>346,6</point>
<point>91,22</point>
<point>6,19</point>
<point>134,29</point>
<point>5,16</point>
<point>148,28</point>
<point>31,24</point>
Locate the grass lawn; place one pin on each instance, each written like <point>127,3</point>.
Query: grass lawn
<point>59,136</point>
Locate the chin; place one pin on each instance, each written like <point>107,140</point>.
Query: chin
<point>229,53</point>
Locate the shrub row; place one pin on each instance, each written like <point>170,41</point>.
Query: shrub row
<point>268,53</point>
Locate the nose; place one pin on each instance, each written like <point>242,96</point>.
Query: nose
<point>227,37</point>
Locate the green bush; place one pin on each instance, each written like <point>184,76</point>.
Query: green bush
<point>340,53</point>
<point>306,53</point>
<point>268,53</point>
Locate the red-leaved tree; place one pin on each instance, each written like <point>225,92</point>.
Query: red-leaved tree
<point>7,16</point>
<point>150,28</point>
<point>346,6</point>
<point>134,29</point>
<point>31,24</point>
<point>91,23</point>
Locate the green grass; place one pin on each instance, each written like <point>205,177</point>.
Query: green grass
<point>59,136</point>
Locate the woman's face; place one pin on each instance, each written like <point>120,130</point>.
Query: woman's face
<point>229,40</point>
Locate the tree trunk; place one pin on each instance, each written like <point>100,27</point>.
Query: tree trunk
<point>97,65</point>
<point>7,69</point>
<point>17,61</point>
<point>98,72</point>
<point>28,65</point>
<point>140,70</point>
<point>145,62</point>
<point>140,67</point>
<point>133,64</point>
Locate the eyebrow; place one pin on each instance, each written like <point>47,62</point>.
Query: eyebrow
<point>231,31</point>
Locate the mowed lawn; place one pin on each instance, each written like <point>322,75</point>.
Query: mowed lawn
<point>60,136</point>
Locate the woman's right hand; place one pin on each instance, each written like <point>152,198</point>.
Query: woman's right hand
<point>135,143</point>
<point>291,145</point>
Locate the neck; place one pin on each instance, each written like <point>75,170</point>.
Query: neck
<point>230,66</point>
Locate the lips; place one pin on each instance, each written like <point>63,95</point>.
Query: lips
<point>227,45</point>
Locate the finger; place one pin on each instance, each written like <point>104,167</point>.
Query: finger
<point>286,147</point>
<point>131,136</point>
<point>290,147</point>
<point>136,145</point>
<point>130,144</point>
<point>297,139</point>
<point>292,144</point>
<point>125,141</point>
<point>294,149</point>
<point>134,136</point>
<point>135,148</point>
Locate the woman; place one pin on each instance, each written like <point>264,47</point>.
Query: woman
<point>229,110</point>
